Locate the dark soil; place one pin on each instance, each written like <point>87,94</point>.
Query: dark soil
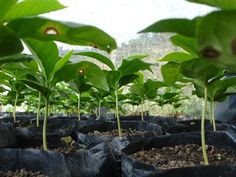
<point>21,173</point>
<point>185,156</point>
<point>125,132</point>
<point>68,148</point>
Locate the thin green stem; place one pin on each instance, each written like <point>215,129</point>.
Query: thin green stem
<point>99,109</point>
<point>203,136</point>
<point>78,107</point>
<point>14,108</point>
<point>210,112</point>
<point>213,115</point>
<point>142,110</point>
<point>45,126</point>
<point>117,114</point>
<point>38,110</point>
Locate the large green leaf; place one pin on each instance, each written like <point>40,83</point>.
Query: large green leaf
<point>105,60</point>
<point>223,4</point>
<point>171,73</point>
<point>92,74</point>
<point>177,57</point>
<point>46,54</point>
<point>186,43</point>
<point>10,44</point>
<point>133,64</point>
<point>67,32</point>
<point>200,70</point>
<point>216,39</point>
<point>181,26</point>
<point>5,6</point>
<point>27,8</point>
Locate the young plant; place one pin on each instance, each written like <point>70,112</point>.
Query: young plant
<point>207,37</point>
<point>145,90</point>
<point>10,80</point>
<point>52,69</point>
<point>201,72</point>
<point>121,76</point>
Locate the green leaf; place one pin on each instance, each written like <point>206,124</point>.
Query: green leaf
<point>133,64</point>
<point>186,43</point>
<point>61,62</point>
<point>216,39</point>
<point>218,87</point>
<point>16,58</point>
<point>92,74</point>
<point>28,8</point>
<point>67,32</point>
<point>46,54</point>
<point>44,90</point>
<point>127,79</point>
<point>152,86</point>
<point>177,57</point>
<point>105,60</point>
<point>223,4</point>
<point>181,26</point>
<point>5,6</point>
<point>171,73</point>
<point>138,89</point>
<point>113,78</point>
<point>10,44</point>
<point>200,70</point>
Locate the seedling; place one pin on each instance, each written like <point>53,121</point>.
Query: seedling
<point>121,76</point>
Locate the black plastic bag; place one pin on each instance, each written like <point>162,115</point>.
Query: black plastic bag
<point>134,168</point>
<point>90,140</point>
<point>56,129</point>
<point>96,162</point>
<point>195,125</point>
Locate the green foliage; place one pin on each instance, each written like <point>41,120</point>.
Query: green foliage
<point>181,26</point>
<point>225,4</point>
<point>71,33</point>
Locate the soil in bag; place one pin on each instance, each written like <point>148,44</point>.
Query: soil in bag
<point>180,155</point>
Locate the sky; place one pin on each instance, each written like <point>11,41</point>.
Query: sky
<point>122,19</point>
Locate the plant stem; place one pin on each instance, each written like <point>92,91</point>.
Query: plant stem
<point>203,136</point>
<point>213,115</point>
<point>45,126</point>
<point>38,110</point>
<point>78,107</point>
<point>14,108</point>
<point>117,114</point>
<point>142,110</point>
<point>210,112</point>
<point>99,109</point>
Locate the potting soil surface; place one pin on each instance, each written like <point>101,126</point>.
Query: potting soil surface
<point>113,133</point>
<point>185,156</point>
<point>21,173</point>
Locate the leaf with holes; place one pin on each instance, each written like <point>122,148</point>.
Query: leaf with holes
<point>71,33</point>
<point>216,40</point>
